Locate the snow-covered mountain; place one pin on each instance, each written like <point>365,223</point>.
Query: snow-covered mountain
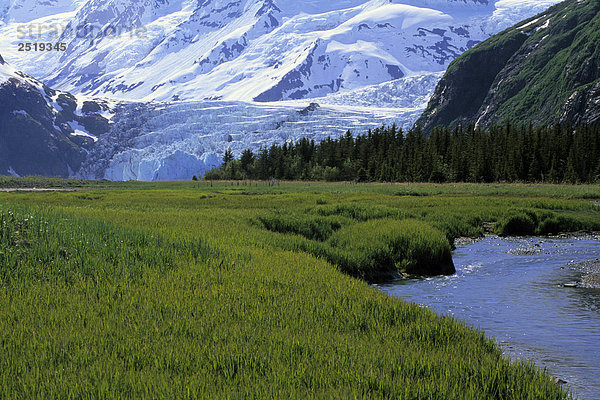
<point>22,11</point>
<point>195,77</point>
<point>53,133</point>
<point>247,50</point>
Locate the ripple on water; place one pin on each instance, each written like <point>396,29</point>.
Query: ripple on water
<point>467,269</point>
<point>513,289</point>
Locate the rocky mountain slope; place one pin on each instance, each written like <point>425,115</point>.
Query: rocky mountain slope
<point>189,79</point>
<point>543,70</point>
<point>247,50</point>
<point>53,133</point>
<point>44,131</point>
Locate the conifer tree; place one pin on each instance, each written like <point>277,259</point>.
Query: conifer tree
<point>502,153</point>
<point>228,156</point>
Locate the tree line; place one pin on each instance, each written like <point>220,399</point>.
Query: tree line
<point>502,153</point>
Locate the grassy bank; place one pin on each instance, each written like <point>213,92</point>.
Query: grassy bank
<point>196,291</point>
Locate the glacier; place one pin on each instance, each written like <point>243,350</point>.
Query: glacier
<point>189,79</point>
<point>157,141</point>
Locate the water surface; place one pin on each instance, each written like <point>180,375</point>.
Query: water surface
<point>513,289</point>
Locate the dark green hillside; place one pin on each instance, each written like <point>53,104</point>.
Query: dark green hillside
<point>543,70</point>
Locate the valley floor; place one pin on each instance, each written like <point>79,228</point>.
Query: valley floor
<point>200,290</point>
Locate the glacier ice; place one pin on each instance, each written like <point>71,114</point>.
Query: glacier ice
<point>178,140</point>
<point>187,79</point>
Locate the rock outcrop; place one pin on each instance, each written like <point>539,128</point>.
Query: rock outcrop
<point>41,130</point>
<point>543,70</point>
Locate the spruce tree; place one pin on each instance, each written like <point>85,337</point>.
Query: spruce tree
<point>228,156</point>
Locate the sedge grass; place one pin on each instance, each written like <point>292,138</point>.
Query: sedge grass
<point>184,293</point>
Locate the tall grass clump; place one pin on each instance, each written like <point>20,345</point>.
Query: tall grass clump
<point>317,228</point>
<point>360,211</point>
<point>526,222</point>
<point>557,224</point>
<point>376,248</point>
<point>516,223</point>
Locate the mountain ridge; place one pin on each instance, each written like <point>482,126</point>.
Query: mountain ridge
<point>256,50</point>
<point>543,70</point>
<point>366,63</point>
<point>44,131</point>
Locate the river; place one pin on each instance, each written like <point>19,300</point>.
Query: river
<point>514,290</point>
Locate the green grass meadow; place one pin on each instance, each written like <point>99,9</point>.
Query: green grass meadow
<point>200,290</point>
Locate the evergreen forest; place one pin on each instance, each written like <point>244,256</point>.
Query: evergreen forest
<point>505,153</point>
